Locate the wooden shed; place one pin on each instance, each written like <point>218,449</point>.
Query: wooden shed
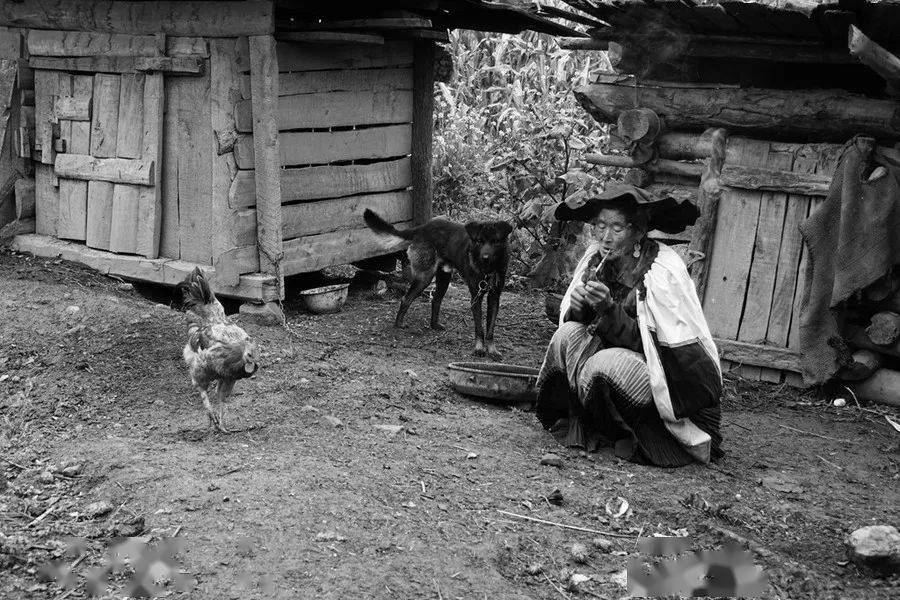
<point>744,106</point>
<point>145,138</point>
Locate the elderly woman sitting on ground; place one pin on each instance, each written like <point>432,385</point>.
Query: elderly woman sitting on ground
<point>632,363</point>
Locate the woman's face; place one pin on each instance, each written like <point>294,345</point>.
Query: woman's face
<point>614,232</point>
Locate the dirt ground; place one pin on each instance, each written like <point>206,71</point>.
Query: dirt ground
<point>300,505</point>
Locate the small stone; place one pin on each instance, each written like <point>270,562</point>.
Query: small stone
<point>391,429</point>
<point>72,310</point>
<point>268,313</point>
<point>555,497</point>
<point>579,552</point>
<point>602,544</point>
<point>226,499</point>
<point>72,470</point>
<point>575,580</point>
<point>95,510</point>
<point>552,460</point>
<point>330,536</point>
<point>876,546</point>
<point>125,287</point>
<point>333,421</point>
<point>471,456</point>
<point>212,487</point>
<point>46,477</point>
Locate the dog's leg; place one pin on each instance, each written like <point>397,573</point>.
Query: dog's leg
<point>442,282</point>
<point>493,307</point>
<point>418,284</point>
<point>477,316</point>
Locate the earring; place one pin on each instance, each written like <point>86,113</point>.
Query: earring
<point>637,250</point>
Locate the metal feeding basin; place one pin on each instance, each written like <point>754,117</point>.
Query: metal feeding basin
<point>510,384</point>
<point>327,299</point>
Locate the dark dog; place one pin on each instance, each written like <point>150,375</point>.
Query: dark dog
<point>476,250</point>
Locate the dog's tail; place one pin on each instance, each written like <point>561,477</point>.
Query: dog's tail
<point>379,225</point>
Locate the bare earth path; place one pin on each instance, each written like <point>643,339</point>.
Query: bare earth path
<point>295,506</point>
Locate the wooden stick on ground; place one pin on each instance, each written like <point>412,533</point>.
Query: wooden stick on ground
<point>564,526</point>
<point>9,462</point>
<point>556,587</point>
<point>818,435</point>
<point>828,462</point>
<point>40,518</point>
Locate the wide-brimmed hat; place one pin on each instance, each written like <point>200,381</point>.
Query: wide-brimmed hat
<point>666,214</point>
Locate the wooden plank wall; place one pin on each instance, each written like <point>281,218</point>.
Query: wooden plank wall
<point>756,273</point>
<point>199,224</point>
<point>345,134</point>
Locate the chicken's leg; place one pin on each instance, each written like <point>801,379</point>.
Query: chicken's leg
<point>224,389</point>
<point>213,419</point>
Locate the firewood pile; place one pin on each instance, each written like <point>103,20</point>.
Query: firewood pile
<point>872,334</point>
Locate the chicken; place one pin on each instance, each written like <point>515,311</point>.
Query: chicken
<point>217,352</point>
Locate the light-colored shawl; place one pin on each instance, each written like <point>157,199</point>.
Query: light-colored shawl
<point>671,311</point>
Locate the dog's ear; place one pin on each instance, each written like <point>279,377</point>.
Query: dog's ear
<point>473,230</point>
<point>504,229</point>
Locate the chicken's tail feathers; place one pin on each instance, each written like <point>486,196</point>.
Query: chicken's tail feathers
<point>379,225</point>
<point>196,291</point>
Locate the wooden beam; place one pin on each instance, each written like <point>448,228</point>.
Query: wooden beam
<point>748,178</point>
<point>211,19</point>
<point>886,64</point>
<point>166,271</point>
<point>822,115</point>
<point>327,181</point>
<point>267,156</point>
<point>759,355</point>
<point>367,24</point>
<point>316,57</point>
<point>342,80</point>
<point>116,170</point>
<point>85,43</point>
<point>330,37</point>
<point>422,131</point>
<point>321,147</point>
<point>73,109</point>
<point>188,65</point>
<point>310,218</point>
<point>335,109</point>
<point>315,252</point>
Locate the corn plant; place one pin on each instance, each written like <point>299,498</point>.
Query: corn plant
<point>509,139</point>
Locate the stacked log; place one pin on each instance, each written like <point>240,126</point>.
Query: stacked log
<point>874,367</point>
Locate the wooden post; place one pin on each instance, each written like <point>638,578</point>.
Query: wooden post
<point>422,129</point>
<point>267,157</point>
<point>876,58</point>
<point>709,195</point>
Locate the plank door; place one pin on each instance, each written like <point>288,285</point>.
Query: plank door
<point>102,134</point>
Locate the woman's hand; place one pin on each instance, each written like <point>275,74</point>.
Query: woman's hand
<point>591,296</point>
